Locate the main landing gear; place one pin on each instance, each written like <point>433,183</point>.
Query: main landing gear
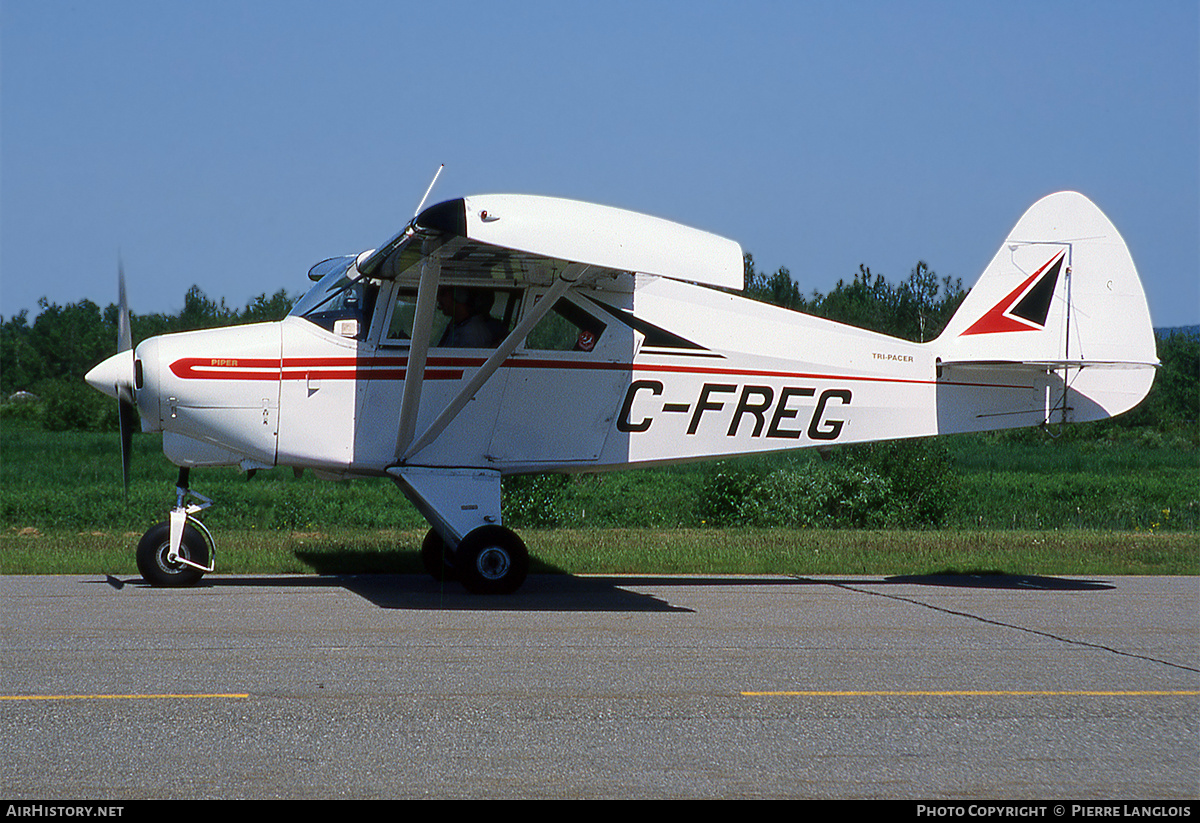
<point>467,542</point>
<point>177,551</point>
<point>490,559</point>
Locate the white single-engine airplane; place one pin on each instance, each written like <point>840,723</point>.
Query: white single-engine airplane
<point>509,334</point>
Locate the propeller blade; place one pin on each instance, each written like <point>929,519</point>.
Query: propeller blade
<point>126,410</point>
<point>128,416</point>
<point>116,377</point>
<point>124,334</point>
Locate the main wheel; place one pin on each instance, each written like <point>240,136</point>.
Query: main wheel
<point>152,553</point>
<point>437,557</point>
<point>491,560</point>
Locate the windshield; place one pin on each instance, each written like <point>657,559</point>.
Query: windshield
<point>342,299</point>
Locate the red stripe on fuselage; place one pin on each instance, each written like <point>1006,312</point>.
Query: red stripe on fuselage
<point>451,368</point>
<point>301,368</point>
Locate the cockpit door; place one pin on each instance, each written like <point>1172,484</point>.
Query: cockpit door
<point>563,389</point>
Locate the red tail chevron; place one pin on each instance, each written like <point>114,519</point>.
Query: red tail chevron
<point>1026,307</point>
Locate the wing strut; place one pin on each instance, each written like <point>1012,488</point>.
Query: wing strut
<point>414,376</point>
<point>569,276</point>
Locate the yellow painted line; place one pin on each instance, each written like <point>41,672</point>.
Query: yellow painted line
<point>966,693</point>
<point>119,696</point>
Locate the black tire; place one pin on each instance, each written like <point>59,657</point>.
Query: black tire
<point>491,560</point>
<point>152,553</point>
<point>438,557</point>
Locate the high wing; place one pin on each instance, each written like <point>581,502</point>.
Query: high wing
<point>527,238</point>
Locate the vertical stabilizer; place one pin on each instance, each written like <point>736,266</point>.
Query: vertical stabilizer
<point>1059,310</point>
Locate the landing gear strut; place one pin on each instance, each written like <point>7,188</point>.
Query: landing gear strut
<point>176,552</point>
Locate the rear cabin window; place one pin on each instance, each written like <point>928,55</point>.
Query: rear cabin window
<point>567,327</point>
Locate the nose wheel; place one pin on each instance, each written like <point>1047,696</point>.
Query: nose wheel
<point>176,552</point>
<point>162,567</point>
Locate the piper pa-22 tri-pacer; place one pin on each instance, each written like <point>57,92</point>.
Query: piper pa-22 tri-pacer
<point>511,334</point>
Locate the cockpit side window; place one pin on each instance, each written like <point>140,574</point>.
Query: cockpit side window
<point>466,317</point>
<point>400,320</point>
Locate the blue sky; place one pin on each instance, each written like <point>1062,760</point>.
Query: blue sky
<point>232,145</point>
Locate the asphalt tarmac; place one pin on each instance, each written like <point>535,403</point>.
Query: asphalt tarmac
<point>941,688</point>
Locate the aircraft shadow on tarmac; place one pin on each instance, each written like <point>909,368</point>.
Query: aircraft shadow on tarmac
<point>420,592</point>
<point>549,589</point>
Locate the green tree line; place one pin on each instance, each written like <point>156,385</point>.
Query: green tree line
<point>916,308</point>
<point>47,358</point>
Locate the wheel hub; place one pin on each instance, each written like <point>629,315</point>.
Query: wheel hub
<point>493,563</point>
<point>164,558</point>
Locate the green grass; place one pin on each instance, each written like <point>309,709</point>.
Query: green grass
<point>1127,503</point>
<point>646,551</point>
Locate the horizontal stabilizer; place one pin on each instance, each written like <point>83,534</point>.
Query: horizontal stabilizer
<point>1045,365</point>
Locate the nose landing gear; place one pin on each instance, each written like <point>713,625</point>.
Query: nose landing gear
<point>177,551</point>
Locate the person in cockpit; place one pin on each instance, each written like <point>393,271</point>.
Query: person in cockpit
<point>471,323</point>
